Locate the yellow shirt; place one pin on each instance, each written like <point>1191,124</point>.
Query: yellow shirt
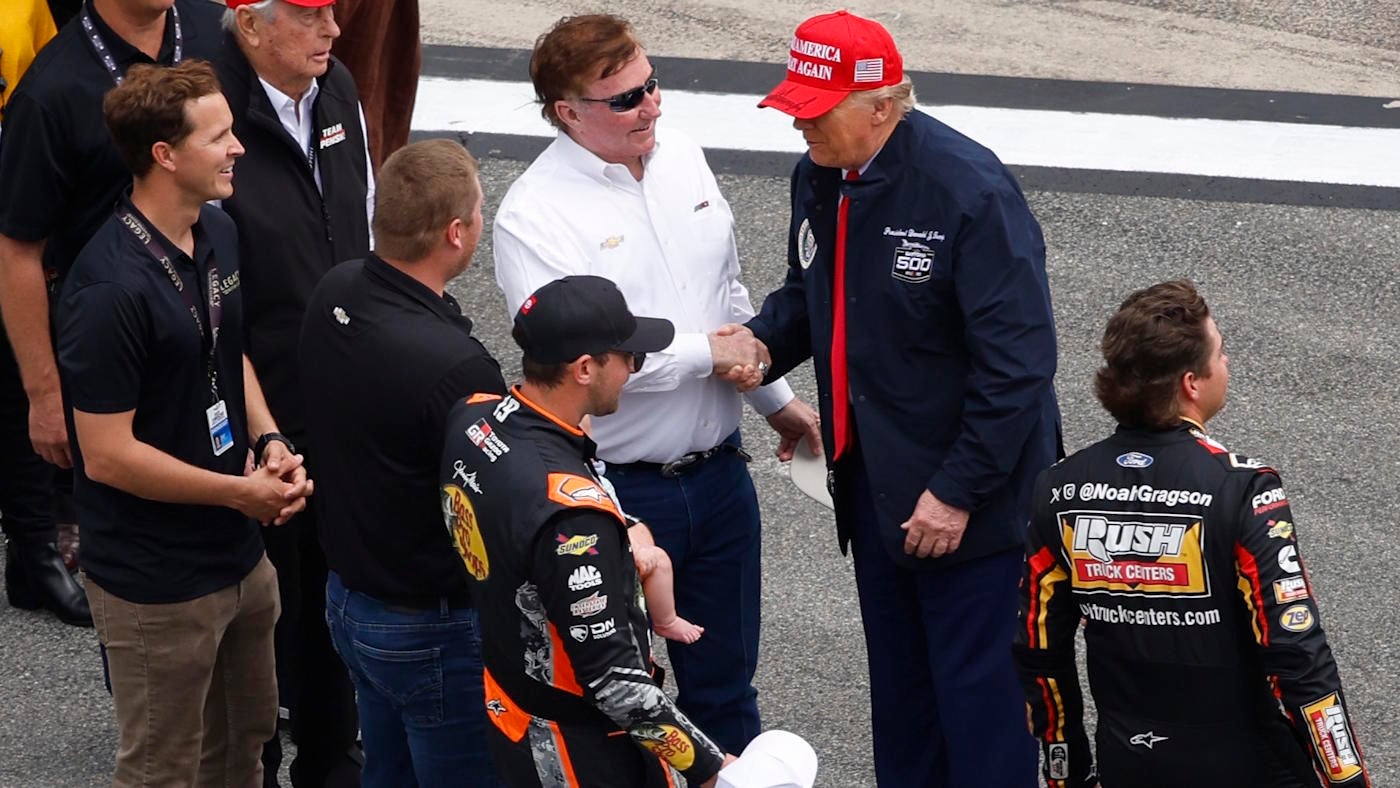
<point>25,26</point>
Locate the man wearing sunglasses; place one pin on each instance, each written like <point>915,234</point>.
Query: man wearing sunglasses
<point>615,197</point>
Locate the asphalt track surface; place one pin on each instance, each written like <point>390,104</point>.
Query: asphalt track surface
<point>1306,296</point>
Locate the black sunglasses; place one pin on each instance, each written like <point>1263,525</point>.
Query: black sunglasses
<point>627,100</point>
<point>634,359</point>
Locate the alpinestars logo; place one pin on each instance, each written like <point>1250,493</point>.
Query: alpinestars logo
<point>1136,554</point>
<point>585,577</point>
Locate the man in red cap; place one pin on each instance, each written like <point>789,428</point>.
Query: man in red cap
<point>303,195</point>
<point>917,285</point>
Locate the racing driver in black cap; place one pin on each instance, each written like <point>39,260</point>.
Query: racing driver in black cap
<point>571,690</point>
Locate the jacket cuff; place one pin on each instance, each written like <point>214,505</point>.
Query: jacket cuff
<point>949,491</point>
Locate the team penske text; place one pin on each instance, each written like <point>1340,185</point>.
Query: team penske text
<point>1149,617</point>
<point>1146,493</point>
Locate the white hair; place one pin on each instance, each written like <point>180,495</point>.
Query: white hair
<point>265,8</point>
<point>902,94</point>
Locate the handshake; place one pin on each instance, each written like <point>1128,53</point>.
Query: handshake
<point>740,358</point>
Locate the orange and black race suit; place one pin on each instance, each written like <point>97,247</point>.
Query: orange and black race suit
<point>570,685</point>
<point>1206,656</point>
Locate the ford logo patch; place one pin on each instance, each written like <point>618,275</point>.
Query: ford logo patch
<point>1134,459</point>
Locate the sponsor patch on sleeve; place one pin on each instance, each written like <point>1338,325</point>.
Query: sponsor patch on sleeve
<point>568,489</point>
<point>1332,736</point>
<point>576,545</point>
<point>460,518</point>
<point>1290,589</point>
<point>1296,619</point>
<point>667,742</point>
<point>589,606</point>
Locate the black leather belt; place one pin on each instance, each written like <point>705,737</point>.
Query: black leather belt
<point>421,603</point>
<point>689,462</point>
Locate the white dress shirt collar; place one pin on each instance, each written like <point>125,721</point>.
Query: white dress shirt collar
<point>294,114</point>
<point>587,162</point>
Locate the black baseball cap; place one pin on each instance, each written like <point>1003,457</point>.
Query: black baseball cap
<point>579,315</point>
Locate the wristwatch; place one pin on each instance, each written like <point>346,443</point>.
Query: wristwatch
<point>266,438</point>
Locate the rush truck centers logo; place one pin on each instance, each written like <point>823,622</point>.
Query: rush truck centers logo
<point>1136,554</point>
<point>1331,733</point>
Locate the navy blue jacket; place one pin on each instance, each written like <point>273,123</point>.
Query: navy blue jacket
<point>949,331</point>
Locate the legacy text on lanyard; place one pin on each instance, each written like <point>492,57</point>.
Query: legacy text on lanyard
<point>220,431</point>
<point>105,55</point>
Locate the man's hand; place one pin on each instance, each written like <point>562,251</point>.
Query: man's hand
<point>710,783</point>
<point>47,430</point>
<point>934,529</point>
<point>739,357</point>
<point>265,497</point>
<point>793,421</point>
<point>290,469</point>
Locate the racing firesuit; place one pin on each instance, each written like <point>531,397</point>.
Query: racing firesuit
<point>1206,656</point>
<point>571,690</point>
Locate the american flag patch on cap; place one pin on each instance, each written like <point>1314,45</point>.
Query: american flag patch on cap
<point>872,70</point>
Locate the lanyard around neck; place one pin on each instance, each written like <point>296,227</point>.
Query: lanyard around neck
<point>153,247</point>
<point>94,37</point>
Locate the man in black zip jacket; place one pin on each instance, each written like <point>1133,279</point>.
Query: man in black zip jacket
<point>301,202</point>
<point>1207,658</point>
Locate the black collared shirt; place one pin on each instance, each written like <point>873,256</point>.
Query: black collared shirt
<point>383,360</point>
<point>126,342</point>
<point>60,174</point>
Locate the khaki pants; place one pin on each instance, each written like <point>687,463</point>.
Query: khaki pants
<point>193,683</point>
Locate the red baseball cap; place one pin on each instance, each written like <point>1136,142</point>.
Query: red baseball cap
<point>302,3</point>
<point>831,56</point>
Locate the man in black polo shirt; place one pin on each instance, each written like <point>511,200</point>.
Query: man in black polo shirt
<point>59,177</point>
<point>165,409</point>
<point>385,353</point>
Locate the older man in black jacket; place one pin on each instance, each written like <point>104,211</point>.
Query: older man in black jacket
<point>301,202</point>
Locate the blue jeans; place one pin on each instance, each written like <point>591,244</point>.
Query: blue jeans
<point>707,522</point>
<point>418,687</point>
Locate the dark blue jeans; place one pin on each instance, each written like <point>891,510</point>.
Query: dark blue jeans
<point>418,687</point>
<point>707,522</point>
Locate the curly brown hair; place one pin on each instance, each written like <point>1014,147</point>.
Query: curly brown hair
<point>1157,335</point>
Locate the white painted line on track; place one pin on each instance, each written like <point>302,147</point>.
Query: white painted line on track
<point>1248,149</point>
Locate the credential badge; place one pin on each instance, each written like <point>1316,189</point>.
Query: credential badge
<point>806,244</point>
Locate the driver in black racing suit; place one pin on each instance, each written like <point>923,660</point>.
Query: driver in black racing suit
<point>571,690</point>
<point>1206,655</point>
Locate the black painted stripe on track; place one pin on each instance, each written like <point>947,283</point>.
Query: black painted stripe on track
<point>1168,101</point>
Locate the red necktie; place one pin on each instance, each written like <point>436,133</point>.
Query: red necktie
<point>840,393</point>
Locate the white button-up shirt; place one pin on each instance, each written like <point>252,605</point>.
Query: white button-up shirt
<point>667,241</point>
<point>297,120</point>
